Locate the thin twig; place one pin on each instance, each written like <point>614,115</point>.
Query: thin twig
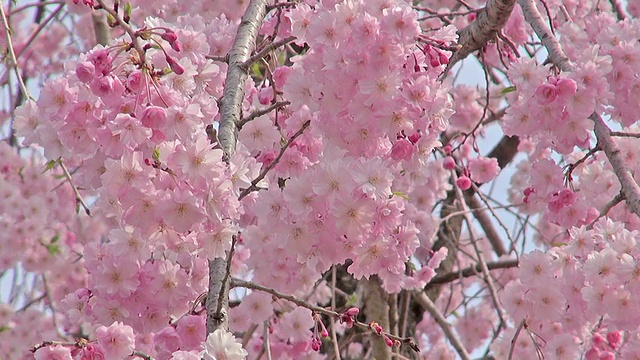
<point>227,273</point>
<point>254,183</point>
<point>607,207</point>
<point>515,339</point>
<point>12,53</point>
<point>128,29</point>
<point>317,309</point>
<point>267,49</point>
<point>332,320</point>
<point>261,112</point>
<point>79,198</point>
<point>625,134</point>
<point>455,341</point>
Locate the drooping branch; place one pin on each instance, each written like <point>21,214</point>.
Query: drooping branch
<point>422,299</point>
<point>630,188</point>
<point>487,226</point>
<point>267,49</point>
<point>230,115</point>
<point>128,29</point>
<point>483,29</point>
<point>320,310</point>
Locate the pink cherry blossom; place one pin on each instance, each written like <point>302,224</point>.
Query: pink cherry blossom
<point>117,340</point>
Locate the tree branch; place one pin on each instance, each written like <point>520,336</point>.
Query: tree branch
<point>630,188</point>
<point>101,29</point>
<point>237,75</point>
<point>230,115</point>
<point>533,17</point>
<point>455,341</point>
<point>484,28</point>
<point>377,309</point>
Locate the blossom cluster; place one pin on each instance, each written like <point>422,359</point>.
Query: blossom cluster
<point>590,285</point>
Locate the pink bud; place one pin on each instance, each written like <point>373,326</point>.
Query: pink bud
<point>597,339</point>
<point>176,46</point>
<point>614,339</point>
<point>315,344</point>
<point>463,182</point>
<point>388,341</point>
<point>175,65</point>
<point>592,354</point>
<point>415,137</point>
<point>324,333</point>
<point>443,58</point>
<point>449,163</point>
<point>169,36</point>
<point>352,311</point>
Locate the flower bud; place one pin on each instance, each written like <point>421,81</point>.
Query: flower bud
<point>463,182</point>
<point>175,65</point>
<point>169,36</point>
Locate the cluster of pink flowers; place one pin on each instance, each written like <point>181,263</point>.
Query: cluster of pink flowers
<point>134,137</point>
<point>42,234</point>
<point>588,286</point>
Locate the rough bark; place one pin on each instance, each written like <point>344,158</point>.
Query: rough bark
<point>230,115</point>
<point>483,29</point>
<point>377,309</point>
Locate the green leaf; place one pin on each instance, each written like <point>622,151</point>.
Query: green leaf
<point>351,300</point>
<point>4,328</point>
<point>127,9</point>
<point>49,165</point>
<point>53,249</point>
<point>156,154</point>
<point>55,239</point>
<point>508,90</point>
<point>400,194</point>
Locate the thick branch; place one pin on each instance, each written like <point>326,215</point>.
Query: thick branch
<point>230,114</point>
<point>484,28</point>
<point>533,17</point>
<point>237,75</point>
<point>630,188</point>
<point>101,29</point>
<point>377,309</point>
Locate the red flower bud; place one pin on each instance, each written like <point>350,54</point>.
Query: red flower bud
<point>175,65</point>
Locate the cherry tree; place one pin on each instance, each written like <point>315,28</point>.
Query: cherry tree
<point>320,179</point>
